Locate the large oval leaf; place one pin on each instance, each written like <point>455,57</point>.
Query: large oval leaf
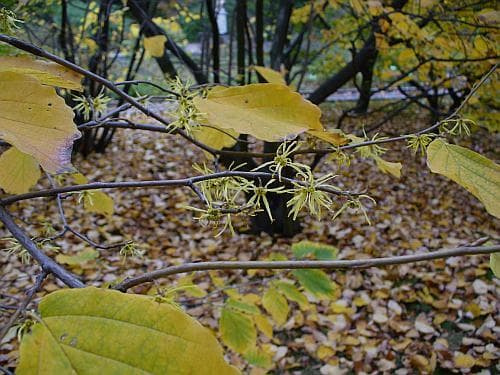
<point>267,111</point>
<point>477,174</point>
<point>36,121</point>
<point>237,330</point>
<point>97,331</point>
<point>45,72</point>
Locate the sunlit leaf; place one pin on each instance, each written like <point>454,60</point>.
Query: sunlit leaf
<point>244,307</point>
<point>217,139</point>
<point>237,330</point>
<point>155,45</point>
<point>36,121</point>
<point>276,305</point>
<point>47,73</point>
<point>476,173</point>
<point>97,331</point>
<point>267,111</point>
<point>19,172</point>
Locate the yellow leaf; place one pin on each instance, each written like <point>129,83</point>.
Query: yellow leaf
<point>48,73</point>
<point>214,138</point>
<point>271,76</point>
<point>18,171</point>
<point>264,325</point>
<point>267,111</point>
<point>389,166</point>
<point>332,137</point>
<point>479,175</point>
<point>276,305</point>
<point>36,121</point>
<point>405,56</point>
<point>98,202</point>
<point>495,264</point>
<point>464,360</point>
<point>99,331</point>
<point>155,45</point>
<point>480,44</point>
<point>357,6</point>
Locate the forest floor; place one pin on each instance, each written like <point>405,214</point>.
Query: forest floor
<point>426,317</point>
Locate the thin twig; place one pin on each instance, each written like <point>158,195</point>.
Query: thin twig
<point>304,264</point>
<point>163,183</point>
<point>47,264</point>
<point>29,296</point>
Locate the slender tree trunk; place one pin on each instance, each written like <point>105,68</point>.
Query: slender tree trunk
<point>215,40</point>
<point>365,91</point>
<point>241,17</point>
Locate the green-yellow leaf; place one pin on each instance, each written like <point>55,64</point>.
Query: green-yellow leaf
<point>293,294</point>
<point>315,282</point>
<point>47,73</point>
<point>267,111</point>
<point>495,264</point>
<point>276,305</point>
<point>19,172</point>
<point>155,45</point>
<point>260,358</point>
<point>82,257</point>
<point>36,121</point>
<point>98,331</point>
<point>316,250</point>
<point>244,307</point>
<point>237,330</point>
<point>270,75</point>
<point>390,167</point>
<point>99,203</point>
<point>479,175</point>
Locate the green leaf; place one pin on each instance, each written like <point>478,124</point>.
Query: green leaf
<point>242,306</point>
<point>82,257</point>
<point>316,250</point>
<point>276,305</point>
<point>237,330</point>
<point>495,264</point>
<point>19,172</point>
<point>315,282</point>
<point>293,294</point>
<point>98,331</point>
<point>267,111</point>
<point>258,357</point>
<point>477,174</point>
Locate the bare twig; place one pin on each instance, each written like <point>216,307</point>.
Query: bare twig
<point>47,264</point>
<point>162,183</point>
<point>29,296</point>
<point>304,264</point>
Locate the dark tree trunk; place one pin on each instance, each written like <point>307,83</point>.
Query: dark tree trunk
<point>215,40</point>
<point>365,91</point>
<point>241,18</point>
